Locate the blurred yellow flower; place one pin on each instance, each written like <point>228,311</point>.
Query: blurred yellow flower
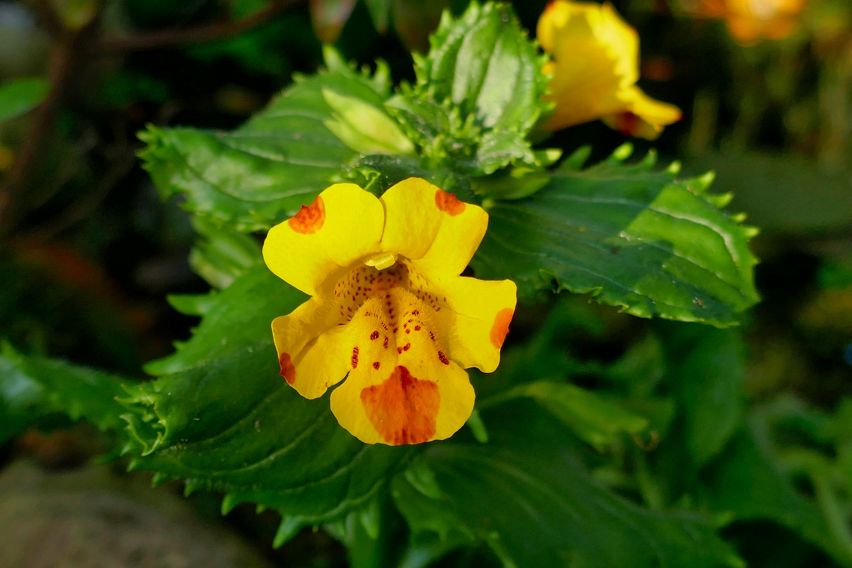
<point>594,70</point>
<point>388,310</point>
<point>751,20</point>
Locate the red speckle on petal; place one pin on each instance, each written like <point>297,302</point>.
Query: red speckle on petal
<point>403,409</point>
<point>443,358</point>
<point>355,357</point>
<point>288,370</point>
<point>375,335</point>
<point>376,365</point>
<point>448,203</point>
<point>627,123</point>
<point>310,218</point>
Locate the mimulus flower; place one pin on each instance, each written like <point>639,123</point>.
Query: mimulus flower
<point>389,310</point>
<point>594,70</point>
<point>750,20</point>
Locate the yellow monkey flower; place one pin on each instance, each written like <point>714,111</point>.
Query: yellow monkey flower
<point>594,70</point>
<point>749,21</point>
<point>389,310</point>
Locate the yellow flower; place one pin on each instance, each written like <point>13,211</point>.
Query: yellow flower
<point>750,20</point>
<point>594,70</point>
<point>389,308</point>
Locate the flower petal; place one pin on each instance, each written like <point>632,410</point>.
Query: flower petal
<point>343,224</point>
<point>312,349</point>
<point>431,227</point>
<point>596,55</point>
<point>568,29</point>
<point>402,387</point>
<point>415,401</point>
<point>642,116</point>
<point>483,310</point>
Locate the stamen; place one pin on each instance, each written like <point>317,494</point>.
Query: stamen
<point>381,261</point>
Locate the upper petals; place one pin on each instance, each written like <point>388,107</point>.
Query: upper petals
<point>342,225</point>
<point>483,311</point>
<point>566,29</point>
<point>431,227</point>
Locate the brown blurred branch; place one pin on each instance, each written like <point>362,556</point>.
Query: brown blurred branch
<point>210,32</point>
<point>69,52</point>
<point>66,54</point>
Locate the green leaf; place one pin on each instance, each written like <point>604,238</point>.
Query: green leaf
<point>220,254</point>
<point>262,172</point>
<point>35,386</point>
<point>364,127</point>
<point>642,240</point>
<point>783,194</point>
<point>483,65</point>
<point>21,95</point>
<point>706,374</point>
<point>233,425</point>
<point>748,484</point>
<point>223,419</point>
<point>593,419</point>
<point>532,503</point>
<point>240,314</point>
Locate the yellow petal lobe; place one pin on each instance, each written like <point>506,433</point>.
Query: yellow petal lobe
<point>343,224</point>
<point>310,352</point>
<point>431,227</point>
<point>403,409</point>
<point>482,312</point>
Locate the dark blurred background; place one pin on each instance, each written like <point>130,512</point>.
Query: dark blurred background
<point>89,251</point>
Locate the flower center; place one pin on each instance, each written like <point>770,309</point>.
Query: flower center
<point>395,311</point>
<point>383,277</point>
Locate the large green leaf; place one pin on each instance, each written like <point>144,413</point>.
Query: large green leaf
<point>592,418</point>
<point>34,386</point>
<point>748,484</point>
<point>531,501</point>
<point>220,254</point>
<point>706,374</point>
<point>262,172</point>
<point>239,315</point>
<point>223,419</point>
<point>632,237</point>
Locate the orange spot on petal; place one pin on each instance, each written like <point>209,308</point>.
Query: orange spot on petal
<point>448,203</point>
<point>500,327</point>
<point>403,409</point>
<point>288,370</point>
<point>310,218</point>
